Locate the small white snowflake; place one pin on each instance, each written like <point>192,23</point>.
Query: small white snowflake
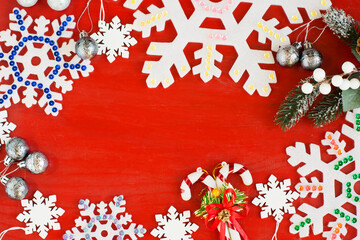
<point>114,39</point>
<point>102,223</point>
<point>5,127</point>
<point>275,198</point>
<point>174,226</point>
<point>40,214</point>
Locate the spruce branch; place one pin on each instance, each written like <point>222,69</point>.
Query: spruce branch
<point>328,110</point>
<point>295,106</point>
<point>339,22</point>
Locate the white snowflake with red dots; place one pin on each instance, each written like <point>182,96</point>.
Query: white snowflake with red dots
<point>37,62</point>
<point>104,221</point>
<point>343,170</point>
<point>235,34</point>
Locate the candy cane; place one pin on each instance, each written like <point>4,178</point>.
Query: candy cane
<point>193,178</point>
<point>227,169</point>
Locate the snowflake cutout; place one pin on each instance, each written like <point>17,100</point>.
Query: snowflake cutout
<point>188,30</point>
<point>102,221</point>
<point>5,127</point>
<point>174,226</point>
<point>275,198</point>
<point>37,62</point>
<point>333,175</point>
<point>40,214</point>
<point>114,39</point>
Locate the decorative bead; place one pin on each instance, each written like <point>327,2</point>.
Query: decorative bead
<point>345,160</point>
<point>340,163</point>
<point>336,167</point>
<point>357,116</point>
<point>340,225</point>
<point>354,220</point>
<point>17,148</point>
<point>308,220</point>
<point>58,5</point>
<point>311,58</point>
<point>348,195</point>
<point>356,199</point>
<point>342,214</point>
<point>86,47</point>
<point>289,55</point>
<point>336,230</point>
<point>325,88</point>
<point>347,218</point>
<point>354,83</point>
<point>16,188</point>
<point>355,176</point>
<point>36,163</point>
<point>348,184</point>
<point>302,224</point>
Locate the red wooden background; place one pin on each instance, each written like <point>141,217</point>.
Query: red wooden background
<point>115,136</point>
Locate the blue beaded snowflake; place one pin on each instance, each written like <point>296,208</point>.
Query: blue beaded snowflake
<point>113,223</point>
<point>36,62</point>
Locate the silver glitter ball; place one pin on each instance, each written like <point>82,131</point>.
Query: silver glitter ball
<point>86,47</point>
<point>289,55</point>
<point>58,5</point>
<point>311,58</point>
<point>17,148</point>
<point>36,163</point>
<point>16,188</point>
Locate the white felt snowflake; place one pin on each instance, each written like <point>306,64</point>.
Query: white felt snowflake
<point>104,224</point>
<point>342,173</point>
<point>5,127</point>
<point>36,61</point>
<point>174,226</point>
<point>235,34</point>
<point>114,39</point>
<point>40,214</point>
<point>275,198</point>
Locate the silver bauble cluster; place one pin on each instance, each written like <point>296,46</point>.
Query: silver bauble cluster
<point>57,5</point>
<point>17,153</point>
<point>289,55</point>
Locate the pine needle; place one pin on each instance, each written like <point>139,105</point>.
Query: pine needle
<point>295,106</point>
<point>328,110</point>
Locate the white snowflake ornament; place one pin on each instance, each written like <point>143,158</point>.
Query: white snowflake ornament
<point>234,34</point>
<point>275,198</point>
<point>37,62</point>
<point>174,226</point>
<point>113,39</point>
<point>342,173</point>
<point>104,218</point>
<point>5,127</point>
<point>40,214</point>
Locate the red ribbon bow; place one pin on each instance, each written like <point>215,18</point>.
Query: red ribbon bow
<point>226,213</point>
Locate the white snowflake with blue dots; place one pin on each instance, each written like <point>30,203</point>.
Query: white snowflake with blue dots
<point>104,223</point>
<point>37,64</point>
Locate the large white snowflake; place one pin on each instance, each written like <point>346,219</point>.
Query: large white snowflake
<point>337,187</point>
<point>275,198</point>
<point>104,224</point>
<point>40,214</point>
<point>174,226</point>
<point>36,62</point>
<point>236,34</point>
<point>114,39</point>
<point>5,127</point>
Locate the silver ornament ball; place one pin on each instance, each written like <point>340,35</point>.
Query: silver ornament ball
<point>289,55</point>
<point>58,5</point>
<point>17,148</point>
<point>36,163</point>
<point>86,47</point>
<point>311,58</point>
<point>16,188</point>
<point>27,3</point>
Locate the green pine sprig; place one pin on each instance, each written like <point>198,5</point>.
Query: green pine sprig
<point>295,106</point>
<point>328,110</point>
<point>209,198</point>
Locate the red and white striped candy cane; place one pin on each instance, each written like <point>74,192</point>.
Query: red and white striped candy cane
<point>193,178</point>
<point>230,168</point>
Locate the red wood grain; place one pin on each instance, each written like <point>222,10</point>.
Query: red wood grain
<point>115,136</point>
